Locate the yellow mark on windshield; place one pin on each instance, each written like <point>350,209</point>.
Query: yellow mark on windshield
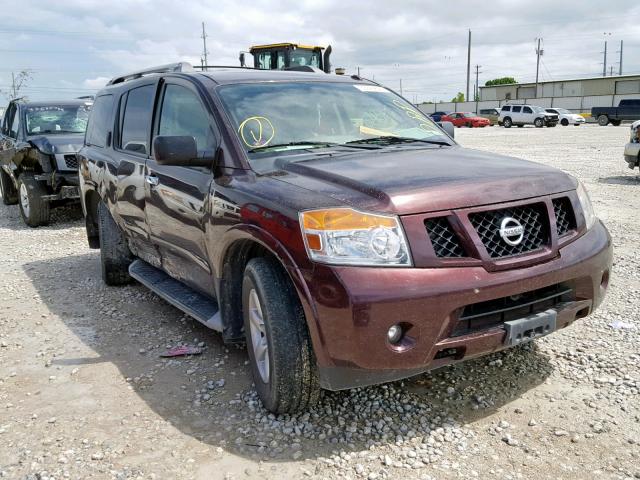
<point>414,114</point>
<point>374,131</point>
<point>256,131</point>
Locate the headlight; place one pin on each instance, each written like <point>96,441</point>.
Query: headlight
<point>587,208</point>
<point>345,236</point>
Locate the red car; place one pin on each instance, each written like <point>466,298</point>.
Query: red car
<point>466,119</point>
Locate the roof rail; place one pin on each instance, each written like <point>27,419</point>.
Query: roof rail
<point>205,67</point>
<point>171,67</point>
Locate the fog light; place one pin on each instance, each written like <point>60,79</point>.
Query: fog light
<point>394,335</point>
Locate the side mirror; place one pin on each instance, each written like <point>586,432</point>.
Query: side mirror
<point>178,151</point>
<point>448,128</point>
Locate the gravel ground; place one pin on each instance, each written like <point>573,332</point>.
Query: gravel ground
<point>84,394</point>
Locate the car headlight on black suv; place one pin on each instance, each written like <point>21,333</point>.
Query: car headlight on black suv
<point>343,236</point>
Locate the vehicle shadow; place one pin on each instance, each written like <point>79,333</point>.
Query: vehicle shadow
<point>210,396</point>
<point>61,217</point>
<point>621,180</point>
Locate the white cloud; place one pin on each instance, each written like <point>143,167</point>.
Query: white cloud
<point>95,83</point>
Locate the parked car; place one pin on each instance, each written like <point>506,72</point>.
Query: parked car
<point>521,115</point>
<point>465,119</point>
<point>491,114</point>
<point>347,249</point>
<point>566,117</point>
<point>632,149</point>
<point>437,116</point>
<point>38,163</point>
<point>628,109</point>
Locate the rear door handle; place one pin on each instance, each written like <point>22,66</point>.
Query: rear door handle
<point>152,180</point>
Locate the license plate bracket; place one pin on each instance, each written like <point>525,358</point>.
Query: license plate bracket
<point>530,327</point>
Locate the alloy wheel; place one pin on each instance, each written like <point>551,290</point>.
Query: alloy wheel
<point>259,340</point>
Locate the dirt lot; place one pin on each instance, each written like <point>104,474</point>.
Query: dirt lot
<point>84,394</point>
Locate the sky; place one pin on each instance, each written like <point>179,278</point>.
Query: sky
<point>72,47</point>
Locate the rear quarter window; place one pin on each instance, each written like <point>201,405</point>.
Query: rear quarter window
<point>136,120</point>
<point>99,121</point>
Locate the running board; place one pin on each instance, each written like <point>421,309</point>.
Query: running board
<point>202,308</point>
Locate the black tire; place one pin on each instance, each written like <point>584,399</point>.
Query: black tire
<point>7,189</point>
<point>551,125</point>
<point>616,123</point>
<point>564,122</point>
<point>520,126</point>
<point>538,122</point>
<point>35,211</point>
<point>292,381</point>
<point>115,256</point>
<point>603,120</point>
<point>507,122</point>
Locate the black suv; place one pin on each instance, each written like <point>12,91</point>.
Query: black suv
<point>38,163</point>
<point>330,224</point>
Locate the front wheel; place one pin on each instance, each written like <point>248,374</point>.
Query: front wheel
<point>7,189</point>
<point>507,122</point>
<point>538,122</point>
<point>603,120</point>
<point>564,122</point>
<point>34,209</point>
<point>280,352</point>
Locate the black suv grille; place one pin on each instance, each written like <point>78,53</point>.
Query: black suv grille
<point>493,313</point>
<point>565,219</point>
<point>445,242</point>
<point>533,219</point>
<point>71,161</point>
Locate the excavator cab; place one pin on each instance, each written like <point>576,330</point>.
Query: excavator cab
<point>291,56</point>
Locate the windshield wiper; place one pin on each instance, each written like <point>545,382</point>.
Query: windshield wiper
<point>389,140</point>
<point>293,144</point>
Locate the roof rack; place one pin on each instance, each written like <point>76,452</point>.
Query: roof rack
<point>171,67</point>
<point>205,67</point>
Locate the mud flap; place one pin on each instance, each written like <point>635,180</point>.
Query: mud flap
<point>528,328</point>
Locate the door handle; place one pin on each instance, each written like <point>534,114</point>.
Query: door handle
<point>152,180</point>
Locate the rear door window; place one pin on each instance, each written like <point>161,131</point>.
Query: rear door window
<point>99,121</point>
<point>516,109</point>
<point>136,120</point>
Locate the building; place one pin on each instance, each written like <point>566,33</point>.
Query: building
<point>578,95</point>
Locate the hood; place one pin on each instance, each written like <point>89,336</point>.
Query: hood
<point>407,181</point>
<point>52,144</point>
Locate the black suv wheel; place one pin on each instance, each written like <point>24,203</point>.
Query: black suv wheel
<point>34,209</point>
<point>507,122</point>
<point>115,256</point>
<point>280,352</point>
<point>7,190</point>
<point>538,122</point>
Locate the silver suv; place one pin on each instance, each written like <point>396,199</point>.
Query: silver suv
<point>521,115</point>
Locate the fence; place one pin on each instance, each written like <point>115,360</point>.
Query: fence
<point>574,104</point>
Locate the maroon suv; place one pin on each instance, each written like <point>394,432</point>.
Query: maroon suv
<point>332,226</point>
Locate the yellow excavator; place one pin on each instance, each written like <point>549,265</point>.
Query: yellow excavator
<point>289,56</point>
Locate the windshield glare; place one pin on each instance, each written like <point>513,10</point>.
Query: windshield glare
<point>57,119</point>
<point>270,114</point>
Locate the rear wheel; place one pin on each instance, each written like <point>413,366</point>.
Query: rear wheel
<point>564,122</point>
<point>603,120</point>
<point>115,256</point>
<point>616,123</point>
<point>7,189</point>
<point>34,209</point>
<point>507,122</point>
<point>538,122</point>
<point>280,352</point>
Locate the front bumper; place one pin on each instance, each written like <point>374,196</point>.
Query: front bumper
<point>355,306</point>
<point>632,154</point>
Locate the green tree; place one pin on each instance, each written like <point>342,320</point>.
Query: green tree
<point>458,98</point>
<point>500,81</point>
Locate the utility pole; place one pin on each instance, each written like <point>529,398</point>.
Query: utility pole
<point>204,46</point>
<point>611,71</point>
<point>604,63</point>
<point>539,52</point>
<point>468,65</point>
<point>476,97</point>
<point>358,71</point>
<point>400,87</point>
<point>620,62</point>
<point>13,86</point>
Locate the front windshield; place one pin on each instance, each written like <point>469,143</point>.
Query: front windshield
<point>562,110</point>
<point>57,119</point>
<point>303,58</point>
<point>290,115</point>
